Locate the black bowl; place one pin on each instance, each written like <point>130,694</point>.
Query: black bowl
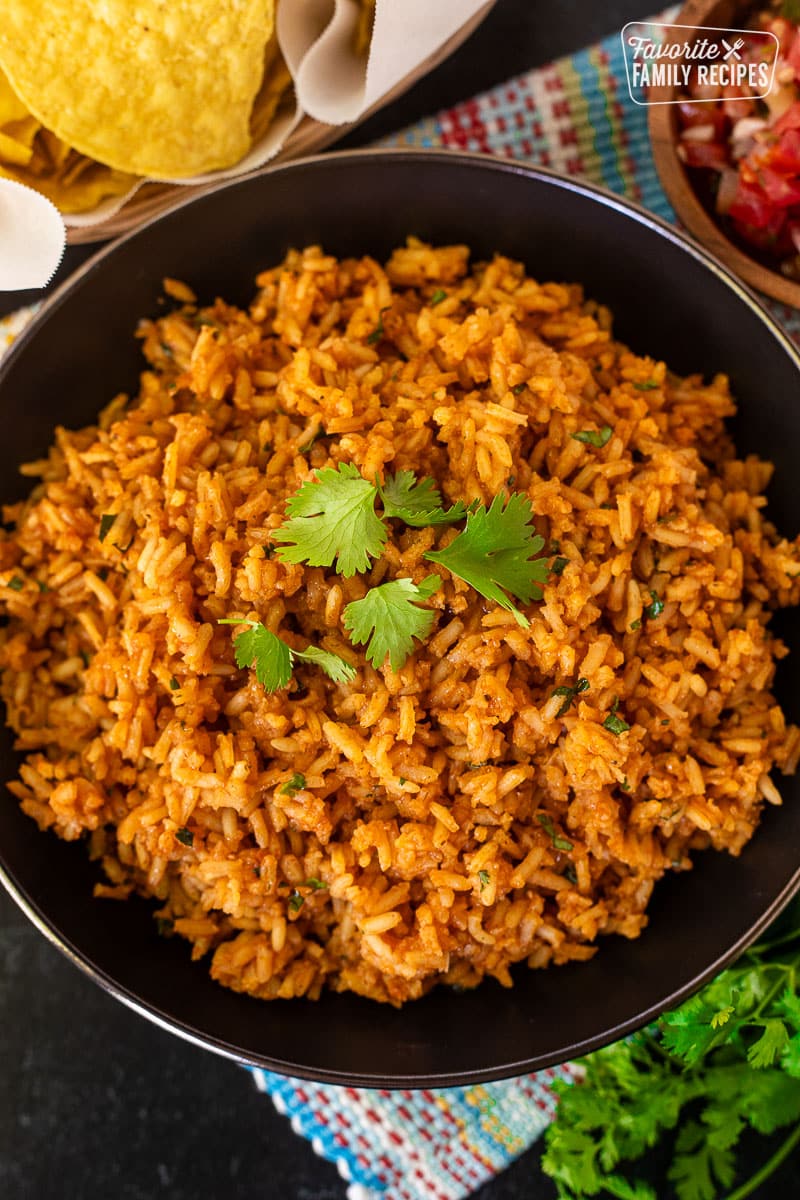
<point>671,299</point>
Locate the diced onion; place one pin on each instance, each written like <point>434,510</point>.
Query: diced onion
<point>698,133</point>
<point>747,127</point>
<point>728,183</point>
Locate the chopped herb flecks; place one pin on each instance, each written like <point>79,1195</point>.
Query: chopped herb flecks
<point>378,331</point>
<point>106,521</point>
<point>615,724</point>
<point>185,835</point>
<point>559,842</point>
<point>569,694</point>
<point>655,609</point>
<point>295,784</point>
<point>591,437</point>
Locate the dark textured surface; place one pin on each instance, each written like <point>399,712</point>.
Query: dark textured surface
<point>95,1101</point>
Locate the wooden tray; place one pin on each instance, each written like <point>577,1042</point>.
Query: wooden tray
<point>309,137</point>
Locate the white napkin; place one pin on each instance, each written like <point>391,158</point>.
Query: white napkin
<point>32,238</point>
<point>336,85</point>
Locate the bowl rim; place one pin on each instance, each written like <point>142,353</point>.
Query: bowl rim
<point>28,904</point>
<point>676,183</point>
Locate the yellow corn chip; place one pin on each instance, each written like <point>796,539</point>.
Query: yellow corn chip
<point>158,89</point>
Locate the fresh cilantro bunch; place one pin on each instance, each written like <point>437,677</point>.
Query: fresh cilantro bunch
<point>726,1061</point>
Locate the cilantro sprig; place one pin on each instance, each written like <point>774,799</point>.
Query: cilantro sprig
<point>333,519</point>
<point>388,618</point>
<point>273,658</point>
<point>725,1062</point>
<point>495,554</point>
<point>417,503</point>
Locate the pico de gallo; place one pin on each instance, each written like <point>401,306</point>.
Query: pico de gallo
<point>744,153</point>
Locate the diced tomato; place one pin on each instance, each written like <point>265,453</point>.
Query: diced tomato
<point>785,155</point>
<point>703,154</point>
<point>751,206</point>
<point>771,239</point>
<point>789,120</point>
<point>782,191</point>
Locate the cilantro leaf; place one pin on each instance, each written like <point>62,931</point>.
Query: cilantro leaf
<point>417,503</point>
<point>259,647</point>
<point>773,1038</point>
<point>334,667</point>
<point>790,1058</point>
<point>698,1164</point>
<point>273,658</point>
<point>389,618</point>
<point>332,518</point>
<point>495,552</point>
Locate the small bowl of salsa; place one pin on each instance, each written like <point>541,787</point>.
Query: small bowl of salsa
<point>728,153</point>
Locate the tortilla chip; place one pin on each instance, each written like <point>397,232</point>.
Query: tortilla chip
<point>274,87</point>
<point>164,90</point>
